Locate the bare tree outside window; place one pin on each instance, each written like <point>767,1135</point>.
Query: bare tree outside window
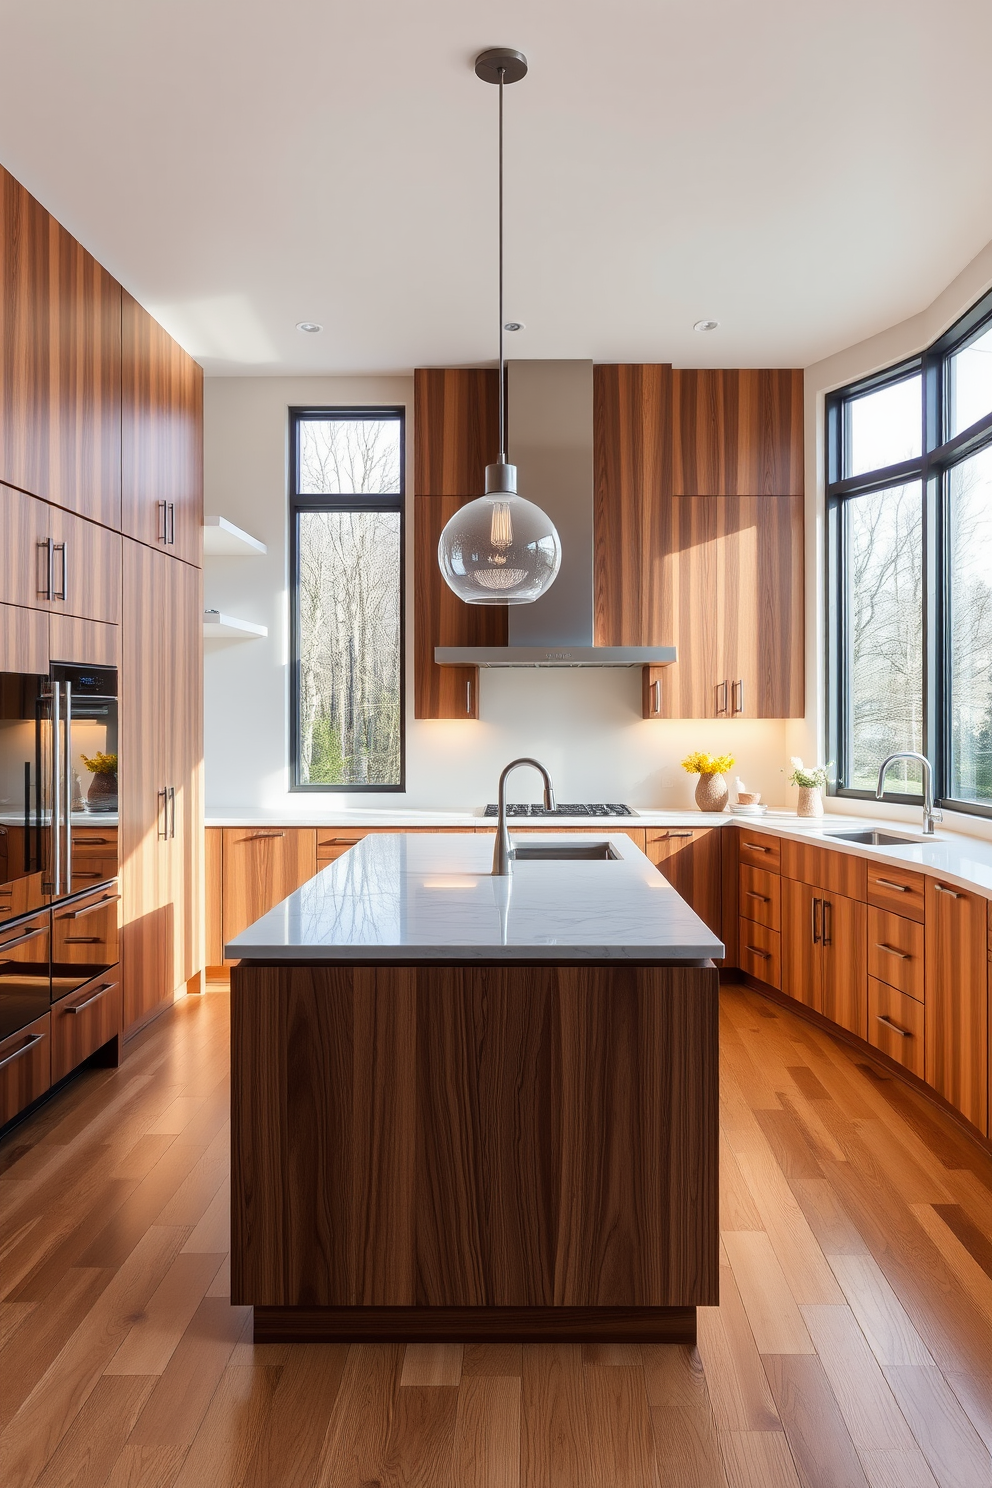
<point>348,624</point>
<point>970,603</point>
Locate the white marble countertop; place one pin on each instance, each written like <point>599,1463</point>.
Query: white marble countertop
<point>431,897</point>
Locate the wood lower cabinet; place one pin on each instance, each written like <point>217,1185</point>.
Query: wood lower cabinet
<point>162,438</point>
<point>895,951</point>
<point>262,865</point>
<point>896,1026</point>
<point>85,1021</point>
<point>25,1067</point>
<point>761,896</point>
<point>823,953</point>
<point>957,1013</point>
<point>825,868</point>
<point>760,952</point>
<point>691,862</point>
<point>161,753</point>
<point>800,943</point>
<point>60,363</point>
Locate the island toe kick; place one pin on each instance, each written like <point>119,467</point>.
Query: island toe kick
<point>463,1152</point>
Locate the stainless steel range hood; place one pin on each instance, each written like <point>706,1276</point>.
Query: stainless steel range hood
<point>551,443</point>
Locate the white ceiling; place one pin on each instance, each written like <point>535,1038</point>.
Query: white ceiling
<point>805,172</point>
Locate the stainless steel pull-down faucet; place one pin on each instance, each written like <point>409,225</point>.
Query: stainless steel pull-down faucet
<point>929,815</point>
<point>502,851</point>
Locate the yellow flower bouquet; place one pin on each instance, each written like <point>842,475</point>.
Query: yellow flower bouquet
<point>101,764</point>
<point>700,763</point>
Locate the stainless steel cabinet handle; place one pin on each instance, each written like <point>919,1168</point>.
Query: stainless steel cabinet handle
<point>8,945</point>
<point>828,923</point>
<point>163,524</point>
<point>891,950</point>
<point>60,548</point>
<point>724,688</point>
<point>737,694</point>
<point>260,836</point>
<point>902,1032</point>
<point>766,955</point>
<point>100,992</point>
<point>949,892</point>
<point>750,894</point>
<point>56,824</point>
<point>656,697</point>
<point>888,884</point>
<point>163,814</point>
<point>171,528</point>
<point>816,903</point>
<point>755,847</point>
<point>337,842</point>
<point>77,914</point>
<point>172,812</point>
<point>468,696</point>
<point>45,589</point>
<point>96,841</point>
<point>35,1038</point>
<point>665,836</point>
<point>67,767</point>
<point>81,940</point>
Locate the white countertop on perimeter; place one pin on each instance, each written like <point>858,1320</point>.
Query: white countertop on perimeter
<point>431,897</point>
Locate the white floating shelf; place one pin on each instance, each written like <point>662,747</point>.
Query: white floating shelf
<point>221,539</point>
<point>216,625</point>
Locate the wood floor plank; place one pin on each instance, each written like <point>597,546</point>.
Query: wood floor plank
<point>52,1323</point>
<point>227,1440</point>
<point>289,1446</point>
<point>685,1431</point>
<point>957,1456</point>
<point>610,1354</point>
<point>186,1386</point>
<point>620,1441</point>
<point>12,1315</point>
<point>420,1447</point>
<point>154,1337</point>
<point>976,1241</point>
<point>494,1359</point>
<point>737,1383</point>
<point>881,1316</point>
<point>797,1253</point>
<point>831,1225</point>
<point>975,1394</point>
<point>355,1442</point>
<point>487,1432</point>
<point>146,1467</point>
<point>820,1442</point>
<point>897,1470</point>
<point>554,1444</point>
<point>758,1459</point>
<point>866,1402</point>
<point>91,1446</point>
<point>212,1232</point>
<point>771,1308</point>
<point>431,1364</point>
<point>738,1211</point>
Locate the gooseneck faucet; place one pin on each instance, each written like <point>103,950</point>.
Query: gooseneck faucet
<point>929,815</point>
<point>502,851</point>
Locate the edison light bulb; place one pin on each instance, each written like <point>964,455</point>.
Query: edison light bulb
<point>499,549</point>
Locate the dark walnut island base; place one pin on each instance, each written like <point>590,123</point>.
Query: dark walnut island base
<point>432,1149</point>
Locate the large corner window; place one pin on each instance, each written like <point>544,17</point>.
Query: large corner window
<point>346,515</point>
<point>909,525</point>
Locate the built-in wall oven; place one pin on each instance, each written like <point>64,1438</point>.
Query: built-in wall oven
<point>58,835</point>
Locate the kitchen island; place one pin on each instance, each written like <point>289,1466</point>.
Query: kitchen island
<point>467,1107</point>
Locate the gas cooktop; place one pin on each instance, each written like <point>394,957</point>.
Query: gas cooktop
<point>580,808</point>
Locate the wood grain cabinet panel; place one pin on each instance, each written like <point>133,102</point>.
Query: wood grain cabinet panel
<point>53,560</point>
<point>896,1026</point>
<point>162,438</point>
<point>23,640</point>
<point>86,1020</point>
<point>456,429</point>
<point>25,576</point>
<point>760,952</point>
<point>25,1067</point>
<point>957,1016</point>
<point>843,965</point>
<point>85,642</point>
<point>761,896</point>
<point>690,860</point>
<point>758,850</point>
<point>825,868</point>
<point>895,951</point>
<point>262,865</point>
<point>60,344</point>
<point>737,432</point>
<point>898,889</point>
<point>800,950</point>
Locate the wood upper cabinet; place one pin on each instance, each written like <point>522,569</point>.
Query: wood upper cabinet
<point>60,345</point>
<point>456,434</point>
<point>956,998</point>
<point>691,861</point>
<point>23,640</point>
<point>160,779</point>
<point>52,560</point>
<point>737,432</point>
<point>261,866</point>
<point>162,438</point>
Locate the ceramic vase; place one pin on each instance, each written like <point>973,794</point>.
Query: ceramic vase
<point>810,801</point>
<point>102,794</point>
<point>711,793</point>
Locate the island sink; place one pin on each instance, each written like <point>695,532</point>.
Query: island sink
<point>468,1107</point>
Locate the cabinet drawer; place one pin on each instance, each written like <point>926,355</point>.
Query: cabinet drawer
<point>895,951</point>
<point>25,1067</point>
<point>825,868</point>
<point>94,842</point>
<point>759,851</point>
<point>761,896</point>
<point>897,889</point>
<point>335,841</point>
<point>760,952</point>
<point>895,1025</point>
<point>84,1021</point>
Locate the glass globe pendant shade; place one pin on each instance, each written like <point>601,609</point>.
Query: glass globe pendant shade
<point>499,549</point>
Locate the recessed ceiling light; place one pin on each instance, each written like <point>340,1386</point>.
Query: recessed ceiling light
<point>310,326</point>
<point>706,325</point>
<point>514,325</point>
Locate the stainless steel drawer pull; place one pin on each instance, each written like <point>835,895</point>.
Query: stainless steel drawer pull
<point>902,1032</point>
<point>468,697</point>
<point>891,951</point>
<point>35,1038</point>
<point>750,894</point>
<point>8,945</point>
<point>77,914</point>
<point>755,847</point>
<point>665,836</point>
<point>655,697</point>
<point>765,955</point>
<point>260,836</point>
<point>949,892</point>
<point>888,884</point>
<point>100,992</point>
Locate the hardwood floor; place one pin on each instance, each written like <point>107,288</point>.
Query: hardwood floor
<point>852,1347</point>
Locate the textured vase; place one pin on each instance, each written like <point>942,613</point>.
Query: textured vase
<point>712,793</point>
<point>102,794</point>
<point>810,801</point>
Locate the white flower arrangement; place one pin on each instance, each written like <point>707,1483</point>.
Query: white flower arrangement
<point>813,778</point>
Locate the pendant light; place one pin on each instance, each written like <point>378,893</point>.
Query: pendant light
<point>500,549</point>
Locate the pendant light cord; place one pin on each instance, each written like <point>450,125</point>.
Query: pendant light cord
<point>502,378</point>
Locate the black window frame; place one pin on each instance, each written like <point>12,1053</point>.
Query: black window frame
<point>939,456</point>
<point>340,502</point>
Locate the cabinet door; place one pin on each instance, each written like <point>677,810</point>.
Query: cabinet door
<point>23,640</point>
<point>763,575</point>
<point>261,866</point>
<point>737,431</point>
<point>24,532</point>
<point>802,930</point>
<point>843,957</point>
<point>691,862</point>
<point>25,1067</point>
<point>956,1001</point>
<point>692,594</point>
<point>162,438</point>
<point>60,344</point>
<point>53,560</point>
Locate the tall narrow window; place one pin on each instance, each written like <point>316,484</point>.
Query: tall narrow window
<point>347,544</point>
<point>909,524</point>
